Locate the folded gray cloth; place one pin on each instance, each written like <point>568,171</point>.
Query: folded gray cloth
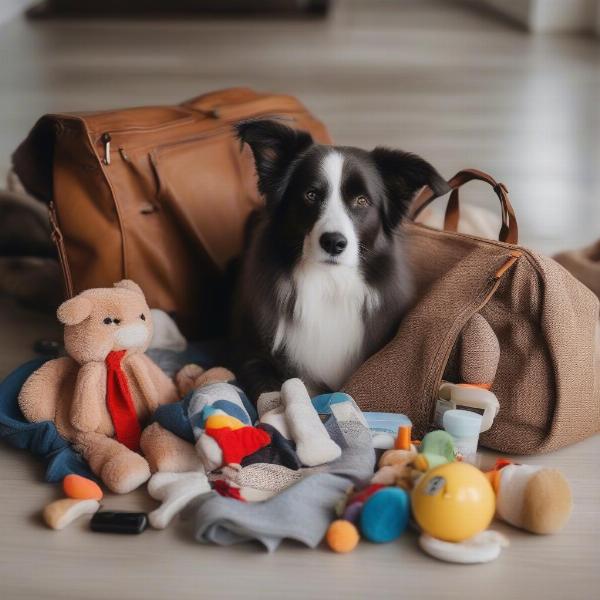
<point>303,511</point>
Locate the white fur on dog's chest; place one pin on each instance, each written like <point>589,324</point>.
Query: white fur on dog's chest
<point>324,339</point>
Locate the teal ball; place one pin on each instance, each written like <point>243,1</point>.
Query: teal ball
<point>385,515</point>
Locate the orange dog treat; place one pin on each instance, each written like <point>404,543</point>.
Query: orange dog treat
<point>81,488</point>
<point>403,439</point>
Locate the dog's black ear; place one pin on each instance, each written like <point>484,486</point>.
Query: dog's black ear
<point>274,147</point>
<point>404,174</point>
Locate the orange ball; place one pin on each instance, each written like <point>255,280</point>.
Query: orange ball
<point>342,536</point>
<point>81,488</point>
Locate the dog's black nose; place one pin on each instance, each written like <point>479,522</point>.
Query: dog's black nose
<point>333,242</point>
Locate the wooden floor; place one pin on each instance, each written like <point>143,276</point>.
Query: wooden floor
<point>455,85</point>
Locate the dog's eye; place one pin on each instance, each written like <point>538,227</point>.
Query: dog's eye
<point>107,321</point>
<point>143,317</point>
<point>311,196</point>
<point>360,201</point>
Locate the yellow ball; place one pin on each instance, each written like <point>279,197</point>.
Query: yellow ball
<point>453,502</point>
<point>342,536</point>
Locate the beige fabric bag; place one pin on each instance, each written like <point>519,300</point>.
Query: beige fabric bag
<point>548,379</point>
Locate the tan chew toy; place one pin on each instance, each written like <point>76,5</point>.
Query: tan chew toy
<point>61,513</point>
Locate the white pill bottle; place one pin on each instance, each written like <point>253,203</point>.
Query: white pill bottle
<point>464,426</point>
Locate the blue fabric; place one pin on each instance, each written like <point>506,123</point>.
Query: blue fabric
<point>174,418</point>
<point>248,405</point>
<point>41,439</point>
<point>323,402</point>
<point>233,410</point>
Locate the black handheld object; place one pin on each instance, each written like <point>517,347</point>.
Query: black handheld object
<point>109,521</point>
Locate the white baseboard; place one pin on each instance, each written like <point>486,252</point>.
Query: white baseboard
<point>549,16</point>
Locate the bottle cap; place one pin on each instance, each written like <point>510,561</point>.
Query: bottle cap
<point>462,423</point>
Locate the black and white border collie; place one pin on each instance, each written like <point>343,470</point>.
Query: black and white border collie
<point>323,281</point>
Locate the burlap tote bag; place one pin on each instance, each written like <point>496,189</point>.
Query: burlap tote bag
<point>548,378</point>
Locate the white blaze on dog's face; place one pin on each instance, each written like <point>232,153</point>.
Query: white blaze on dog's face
<point>333,238</point>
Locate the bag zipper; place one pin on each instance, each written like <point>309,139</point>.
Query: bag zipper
<point>107,137</point>
<point>147,129</point>
<point>221,130</point>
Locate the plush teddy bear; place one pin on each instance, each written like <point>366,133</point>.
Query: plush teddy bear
<point>101,394</point>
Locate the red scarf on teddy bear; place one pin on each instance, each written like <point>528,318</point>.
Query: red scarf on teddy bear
<point>120,403</point>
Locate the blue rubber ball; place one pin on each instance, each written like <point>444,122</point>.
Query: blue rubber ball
<point>385,515</point>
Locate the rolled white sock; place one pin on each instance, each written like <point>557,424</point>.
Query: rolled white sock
<point>175,491</point>
<point>313,444</point>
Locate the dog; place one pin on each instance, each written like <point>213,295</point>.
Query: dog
<point>323,280</point>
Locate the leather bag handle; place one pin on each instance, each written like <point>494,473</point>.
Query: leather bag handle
<point>509,231</point>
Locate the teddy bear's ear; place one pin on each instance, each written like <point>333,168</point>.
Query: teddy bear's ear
<point>132,286</point>
<point>75,310</point>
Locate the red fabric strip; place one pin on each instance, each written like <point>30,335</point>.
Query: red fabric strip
<point>224,489</point>
<point>120,403</point>
<point>236,444</point>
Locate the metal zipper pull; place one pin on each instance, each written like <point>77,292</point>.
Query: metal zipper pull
<point>106,141</point>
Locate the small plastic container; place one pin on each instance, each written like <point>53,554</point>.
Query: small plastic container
<point>384,427</point>
<point>464,426</point>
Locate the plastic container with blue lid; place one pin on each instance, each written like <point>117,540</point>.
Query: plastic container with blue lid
<point>464,426</point>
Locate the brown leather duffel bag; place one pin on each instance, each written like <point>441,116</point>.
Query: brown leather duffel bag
<point>548,377</point>
<point>157,194</point>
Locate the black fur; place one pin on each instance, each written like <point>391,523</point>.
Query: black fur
<point>287,164</point>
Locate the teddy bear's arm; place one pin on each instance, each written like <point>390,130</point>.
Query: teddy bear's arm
<point>89,397</point>
<point>42,393</point>
<point>156,387</point>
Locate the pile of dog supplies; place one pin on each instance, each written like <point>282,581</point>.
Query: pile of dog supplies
<point>132,402</point>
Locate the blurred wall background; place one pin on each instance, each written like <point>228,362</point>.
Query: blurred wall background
<point>550,16</point>
<point>454,81</point>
